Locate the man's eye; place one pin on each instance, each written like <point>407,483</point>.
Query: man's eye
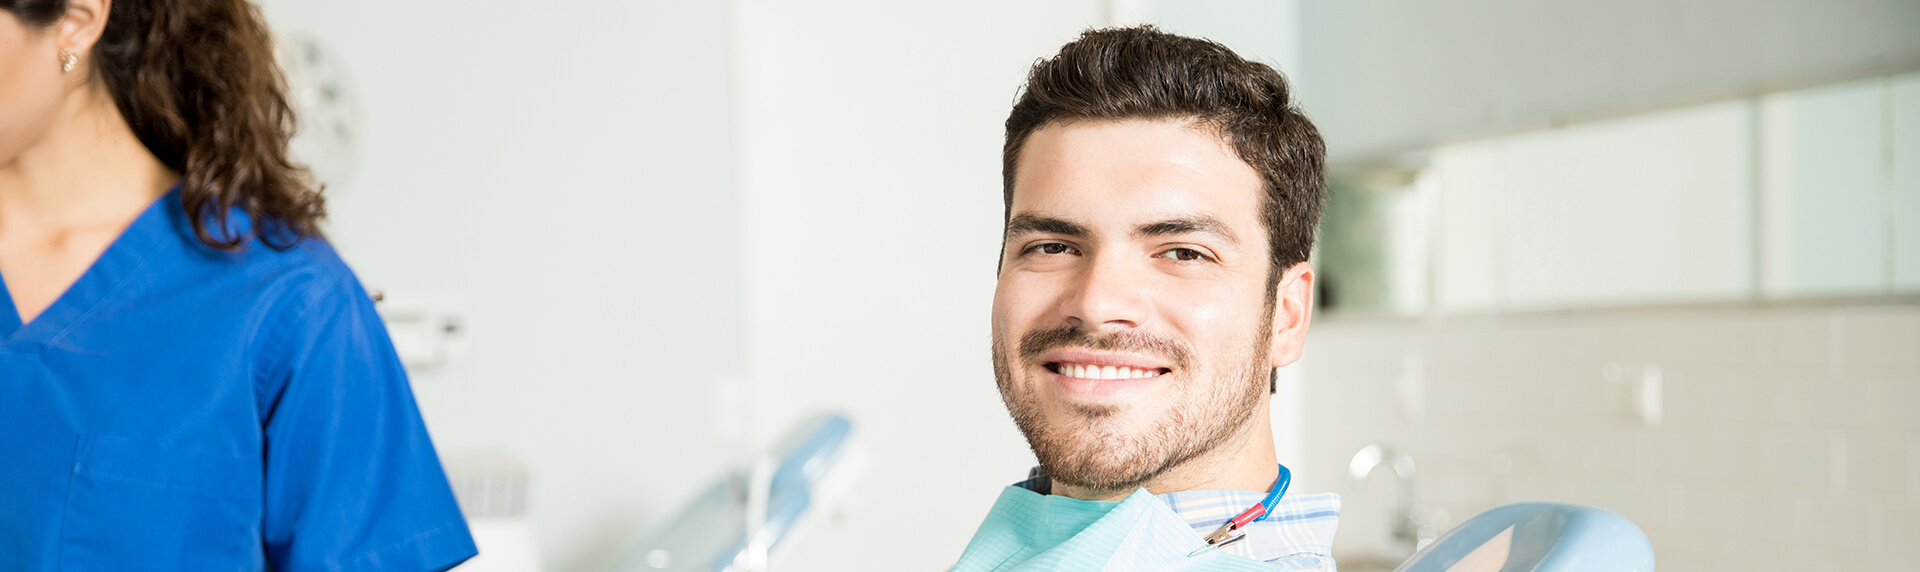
<point>1051,248</point>
<point>1184,254</point>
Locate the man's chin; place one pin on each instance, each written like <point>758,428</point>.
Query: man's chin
<point>1079,414</point>
<point>1099,458</point>
<point>1098,475</point>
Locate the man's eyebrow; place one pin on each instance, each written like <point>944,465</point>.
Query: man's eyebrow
<point>1197,224</point>
<point>1031,224</point>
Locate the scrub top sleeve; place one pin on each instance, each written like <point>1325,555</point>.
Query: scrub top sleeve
<point>352,481</point>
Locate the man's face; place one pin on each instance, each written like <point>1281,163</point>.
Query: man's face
<point>1131,326</point>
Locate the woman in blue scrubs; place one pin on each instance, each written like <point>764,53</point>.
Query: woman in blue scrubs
<point>190,379</point>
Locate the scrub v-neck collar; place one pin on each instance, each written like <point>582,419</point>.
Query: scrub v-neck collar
<point>112,272</point>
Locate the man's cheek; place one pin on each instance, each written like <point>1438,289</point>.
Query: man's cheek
<point>1201,319</point>
<point>1215,312</point>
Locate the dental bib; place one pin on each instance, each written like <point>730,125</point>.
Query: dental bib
<point>1031,532</point>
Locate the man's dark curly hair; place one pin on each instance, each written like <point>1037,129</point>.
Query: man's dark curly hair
<point>1140,72</point>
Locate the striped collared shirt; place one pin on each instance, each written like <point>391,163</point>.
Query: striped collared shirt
<point>1299,533</point>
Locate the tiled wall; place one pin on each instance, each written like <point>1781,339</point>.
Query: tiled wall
<point>1788,437</point>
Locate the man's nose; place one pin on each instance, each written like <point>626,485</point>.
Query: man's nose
<point>1109,295</point>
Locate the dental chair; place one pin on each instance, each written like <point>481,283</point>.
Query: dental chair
<point>1538,537</point>
<point>746,515</point>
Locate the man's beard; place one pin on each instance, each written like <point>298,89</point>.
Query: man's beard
<point>1086,450</point>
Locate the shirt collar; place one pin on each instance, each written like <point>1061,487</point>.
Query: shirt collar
<point>1302,524</point>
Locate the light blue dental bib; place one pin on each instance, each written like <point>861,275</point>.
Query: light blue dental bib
<point>1031,532</point>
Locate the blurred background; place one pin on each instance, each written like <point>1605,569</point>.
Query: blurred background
<point>1661,257</point>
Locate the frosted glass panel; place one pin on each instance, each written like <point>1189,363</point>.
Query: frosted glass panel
<point>1466,250</point>
<point>1825,175</point>
<point>1905,122</point>
<point>1373,247</point>
<point>1650,208</point>
<point>1808,193</point>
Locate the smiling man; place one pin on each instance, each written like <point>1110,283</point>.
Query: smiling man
<point>1161,197</point>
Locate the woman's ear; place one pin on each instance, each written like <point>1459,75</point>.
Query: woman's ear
<point>1292,312</point>
<point>82,26</point>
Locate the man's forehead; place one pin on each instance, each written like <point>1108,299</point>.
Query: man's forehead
<point>1182,142</point>
<point>1128,174</point>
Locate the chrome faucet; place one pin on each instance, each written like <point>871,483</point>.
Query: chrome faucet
<point>1411,525</point>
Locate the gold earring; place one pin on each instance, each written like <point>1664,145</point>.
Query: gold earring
<point>67,59</point>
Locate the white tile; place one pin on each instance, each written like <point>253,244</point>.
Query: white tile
<point>1743,465</point>
<point>1746,394</point>
<point>1881,337</point>
<point>1729,508</point>
<point>1840,525</point>
<point>1877,466</point>
<point>1711,459</point>
<point>1794,463</point>
<point>1696,398</point>
<point>1844,404</point>
<point>1913,473</point>
<point>1900,401</point>
<point>1795,338</point>
<point>1788,393</point>
<point>1705,338</point>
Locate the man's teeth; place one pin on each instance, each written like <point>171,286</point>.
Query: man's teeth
<point>1103,371</point>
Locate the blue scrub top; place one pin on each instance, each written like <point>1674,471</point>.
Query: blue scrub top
<point>182,408</point>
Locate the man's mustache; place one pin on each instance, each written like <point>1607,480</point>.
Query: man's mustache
<point>1041,341</point>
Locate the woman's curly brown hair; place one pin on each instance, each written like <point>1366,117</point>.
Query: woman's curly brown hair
<point>197,82</point>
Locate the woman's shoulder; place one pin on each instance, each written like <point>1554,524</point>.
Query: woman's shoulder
<point>265,273</point>
<point>299,297</point>
<point>312,254</point>
<point>308,266</point>
<point>260,255</point>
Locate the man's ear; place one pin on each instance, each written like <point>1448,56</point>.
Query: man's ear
<point>1292,311</point>
<point>81,27</point>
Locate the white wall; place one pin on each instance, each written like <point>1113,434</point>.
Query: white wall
<point>869,152</point>
<point>1266,31</point>
<point>564,167</point>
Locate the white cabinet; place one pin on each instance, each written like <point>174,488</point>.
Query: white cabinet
<point>1655,207</point>
<point>1904,123</point>
<point>1825,181</point>
<point>1811,193</point>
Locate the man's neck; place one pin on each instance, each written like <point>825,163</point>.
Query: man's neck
<point>1244,462</point>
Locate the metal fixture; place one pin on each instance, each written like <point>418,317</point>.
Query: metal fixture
<point>1412,527</point>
